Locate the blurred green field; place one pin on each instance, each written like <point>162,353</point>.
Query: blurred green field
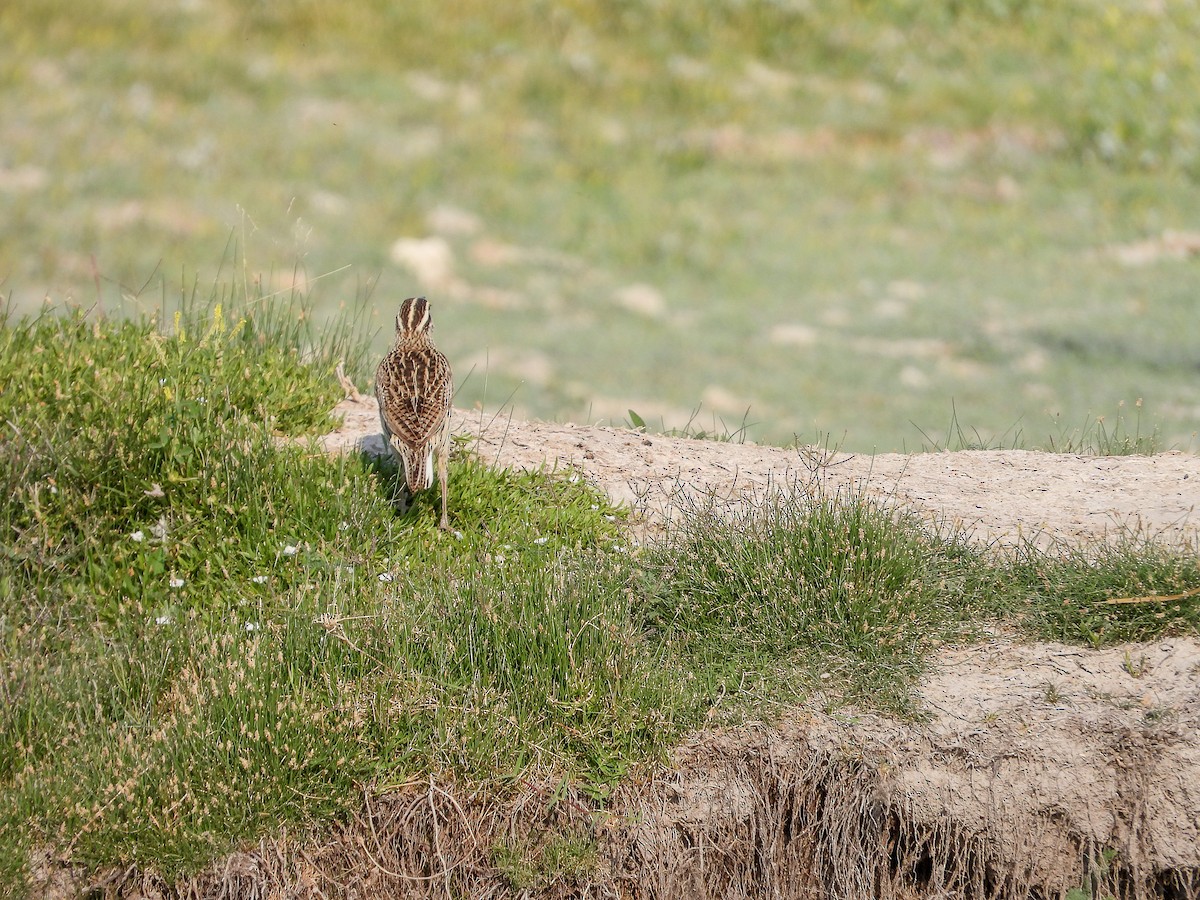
<point>861,221</point>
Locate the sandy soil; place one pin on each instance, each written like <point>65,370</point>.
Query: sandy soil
<point>1044,752</point>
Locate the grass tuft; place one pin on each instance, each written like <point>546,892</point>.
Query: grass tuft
<point>529,865</point>
<point>1103,438</point>
<point>842,584</point>
<point>1095,437</point>
<point>1065,594</point>
<point>722,432</point>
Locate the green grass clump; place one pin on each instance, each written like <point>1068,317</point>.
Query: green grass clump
<point>721,433</point>
<point>1063,594</point>
<point>1095,437</point>
<point>832,585</point>
<point>536,865</point>
<point>1099,437</point>
<point>802,589</point>
<point>126,449</point>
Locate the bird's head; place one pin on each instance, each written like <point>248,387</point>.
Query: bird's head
<point>413,318</point>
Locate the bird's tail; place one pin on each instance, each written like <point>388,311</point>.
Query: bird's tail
<point>418,466</point>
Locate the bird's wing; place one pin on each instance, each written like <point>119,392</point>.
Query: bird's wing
<point>414,396</point>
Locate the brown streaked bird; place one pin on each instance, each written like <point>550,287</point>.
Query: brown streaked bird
<point>414,386</point>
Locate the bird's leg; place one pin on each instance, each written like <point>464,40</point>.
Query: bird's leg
<point>442,453</point>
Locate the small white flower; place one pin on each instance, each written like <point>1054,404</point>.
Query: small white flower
<point>540,540</point>
<point>161,382</point>
<point>137,537</point>
<point>53,489</point>
<point>343,526</point>
<point>201,399</point>
<point>458,535</point>
<point>610,518</point>
<point>594,506</point>
<point>385,577</point>
<point>260,579</point>
<point>252,626</point>
<point>498,559</point>
<point>290,550</point>
<point>176,582</point>
<point>162,620</point>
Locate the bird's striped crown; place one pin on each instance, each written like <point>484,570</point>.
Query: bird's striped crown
<point>413,317</point>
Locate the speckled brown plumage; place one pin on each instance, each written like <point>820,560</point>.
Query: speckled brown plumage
<point>414,386</point>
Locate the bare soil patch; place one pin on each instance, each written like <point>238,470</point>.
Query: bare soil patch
<point>1038,768</point>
